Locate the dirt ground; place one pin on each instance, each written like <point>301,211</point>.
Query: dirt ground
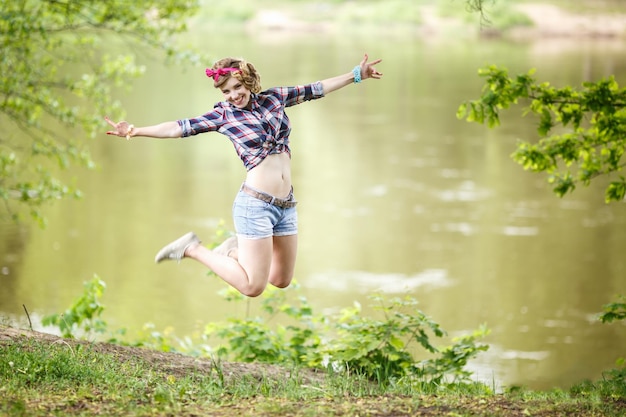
<point>170,363</point>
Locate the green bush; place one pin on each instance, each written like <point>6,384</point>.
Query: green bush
<point>84,314</point>
<point>252,339</point>
<point>382,349</point>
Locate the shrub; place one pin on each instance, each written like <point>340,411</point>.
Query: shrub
<point>382,349</point>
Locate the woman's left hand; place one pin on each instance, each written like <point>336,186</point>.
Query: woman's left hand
<point>368,70</point>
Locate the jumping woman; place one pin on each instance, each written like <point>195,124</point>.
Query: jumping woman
<point>264,211</point>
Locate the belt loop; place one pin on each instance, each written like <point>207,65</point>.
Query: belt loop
<point>272,200</point>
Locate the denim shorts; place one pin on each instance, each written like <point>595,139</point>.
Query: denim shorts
<point>256,219</point>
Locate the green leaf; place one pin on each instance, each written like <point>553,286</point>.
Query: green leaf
<point>396,342</point>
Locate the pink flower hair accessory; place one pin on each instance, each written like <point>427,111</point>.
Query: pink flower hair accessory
<point>217,73</point>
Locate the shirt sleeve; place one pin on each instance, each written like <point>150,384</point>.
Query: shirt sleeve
<point>208,122</point>
<point>299,94</point>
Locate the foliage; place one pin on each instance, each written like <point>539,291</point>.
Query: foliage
<point>252,339</point>
<point>613,383</point>
<point>56,84</point>
<point>614,311</point>
<point>381,349</point>
<point>84,314</point>
<point>452,359</point>
<point>592,119</point>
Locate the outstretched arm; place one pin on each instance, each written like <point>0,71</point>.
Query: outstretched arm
<point>367,70</point>
<point>161,131</point>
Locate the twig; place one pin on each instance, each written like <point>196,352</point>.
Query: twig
<point>61,341</point>
<point>30,323</point>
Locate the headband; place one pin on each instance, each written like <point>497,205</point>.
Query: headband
<point>215,74</point>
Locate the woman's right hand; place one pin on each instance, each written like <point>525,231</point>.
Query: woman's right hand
<point>123,129</point>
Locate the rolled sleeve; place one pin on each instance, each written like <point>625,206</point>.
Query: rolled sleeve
<point>209,122</point>
<point>317,90</point>
<point>185,126</point>
<point>301,93</point>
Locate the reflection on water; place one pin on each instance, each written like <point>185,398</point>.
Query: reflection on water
<point>520,231</point>
<point>465,191</point>
<point>396,196</point>
<point>363,282</point>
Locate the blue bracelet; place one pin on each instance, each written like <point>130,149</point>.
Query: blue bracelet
<point>357,74</point>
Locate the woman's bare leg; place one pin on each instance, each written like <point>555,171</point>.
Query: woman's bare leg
<point>283,265</point>
<point>283,260</point>
<point>248,273</point>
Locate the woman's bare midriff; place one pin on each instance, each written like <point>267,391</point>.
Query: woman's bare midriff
<point>272,176</point>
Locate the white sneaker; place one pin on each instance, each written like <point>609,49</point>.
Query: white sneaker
<point>176,249</point>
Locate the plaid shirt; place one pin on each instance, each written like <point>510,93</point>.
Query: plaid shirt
<point>260,131</point>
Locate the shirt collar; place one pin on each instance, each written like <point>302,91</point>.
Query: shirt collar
<point>254,102</point>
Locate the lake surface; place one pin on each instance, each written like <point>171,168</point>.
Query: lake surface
<point>396,196</point>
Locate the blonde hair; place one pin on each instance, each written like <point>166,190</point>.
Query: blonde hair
<point>247,74</point>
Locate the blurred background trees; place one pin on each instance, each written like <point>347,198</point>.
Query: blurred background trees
<point>54,79</point>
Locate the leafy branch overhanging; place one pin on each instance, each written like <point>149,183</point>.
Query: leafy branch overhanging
<point>591,124</point>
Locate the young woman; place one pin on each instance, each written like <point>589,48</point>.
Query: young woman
<point>264,211</point>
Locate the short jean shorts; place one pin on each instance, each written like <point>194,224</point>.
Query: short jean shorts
<point>256,219</point>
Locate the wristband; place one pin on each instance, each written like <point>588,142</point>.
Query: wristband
<point>357,74</point>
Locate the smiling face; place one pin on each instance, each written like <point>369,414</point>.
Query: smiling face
<point>236,93</point>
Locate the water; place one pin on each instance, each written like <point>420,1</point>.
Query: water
<point>396,196</point>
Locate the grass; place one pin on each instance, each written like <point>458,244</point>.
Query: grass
<point>41,375</point>
<point>43,378</point>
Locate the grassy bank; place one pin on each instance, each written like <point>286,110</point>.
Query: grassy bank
<point>422,18</point>
<point>42,375</point>
<point>265,370</point>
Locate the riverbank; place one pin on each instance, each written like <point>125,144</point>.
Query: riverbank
<point>44,375</point>
<point>550,21</point>
<point>541,21</point>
